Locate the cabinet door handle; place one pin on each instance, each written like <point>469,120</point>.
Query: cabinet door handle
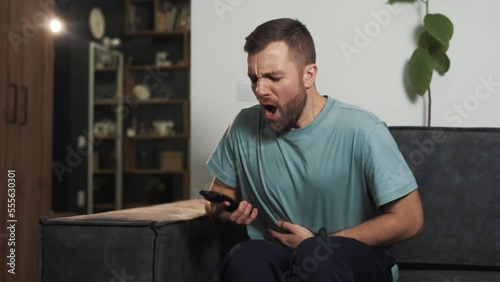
<point>23,117</point>
<point>12,105</point>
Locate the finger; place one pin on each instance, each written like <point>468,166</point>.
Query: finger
<point>241,208</point>
<point>284,225</point>
<point>219,209</point>
<point>275,235</point>
<point>235,215</point>
<point>222,206</point>
<point>245,214</point>
<point>281,237</point>
<point>251,217</point>
<point>290,227</point>
<point>299,230</point>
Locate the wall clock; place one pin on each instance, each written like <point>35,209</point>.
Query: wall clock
<point>97,23</point>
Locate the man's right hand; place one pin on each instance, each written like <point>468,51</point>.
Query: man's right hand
<point>244,214</point>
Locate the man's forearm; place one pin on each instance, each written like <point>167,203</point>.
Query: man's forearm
<point>402,219</point>
<point>382,230</point>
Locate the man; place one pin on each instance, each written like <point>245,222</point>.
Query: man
<point>300,162</point>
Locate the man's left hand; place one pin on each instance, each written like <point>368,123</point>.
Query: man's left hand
<point>296,234</point>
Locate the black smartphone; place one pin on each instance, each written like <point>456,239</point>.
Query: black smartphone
<point>219,198</point>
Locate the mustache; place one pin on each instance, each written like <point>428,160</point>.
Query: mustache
<point>267,100</point>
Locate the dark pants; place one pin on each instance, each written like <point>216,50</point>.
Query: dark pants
<point>316,259</point>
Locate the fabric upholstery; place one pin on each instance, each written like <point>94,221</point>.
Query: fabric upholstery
<point>170,242</point>
<point>458,172</point>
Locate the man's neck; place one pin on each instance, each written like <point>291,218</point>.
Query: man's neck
<point>313,107</point>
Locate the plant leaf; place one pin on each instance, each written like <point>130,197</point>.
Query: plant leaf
<point>430,43</point>
<point>441,62</point>
<point>440,27</point>
<point>421,68</point>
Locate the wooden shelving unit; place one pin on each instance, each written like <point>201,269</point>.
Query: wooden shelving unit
<point>180,65</point>
<point>105,103</point>
<point>105,171</point>
<point>166,23</point>
<point>158,136</point>
<point>163,101</point>
<point>105,137</point>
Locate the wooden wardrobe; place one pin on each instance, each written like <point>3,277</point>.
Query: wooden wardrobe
<point>26,106</point>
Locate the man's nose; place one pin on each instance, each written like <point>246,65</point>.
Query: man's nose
<point>261,89</point>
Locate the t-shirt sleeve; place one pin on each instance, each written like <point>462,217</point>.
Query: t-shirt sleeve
<point>222,161</point>
<point>386,171</point>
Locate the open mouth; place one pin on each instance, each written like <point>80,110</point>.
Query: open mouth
<point>270,108</point>
<point>269,111</point>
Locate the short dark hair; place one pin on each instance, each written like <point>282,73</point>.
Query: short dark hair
<point>291,31</point>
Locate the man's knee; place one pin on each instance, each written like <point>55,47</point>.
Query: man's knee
<point>317,249</point>
<point>338,258</point>
<point>247,253</point>
<point>319,255</point>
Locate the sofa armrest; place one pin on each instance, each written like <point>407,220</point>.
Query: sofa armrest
<point>168,242</point>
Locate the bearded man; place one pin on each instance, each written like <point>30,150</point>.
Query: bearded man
<point>323,188</point>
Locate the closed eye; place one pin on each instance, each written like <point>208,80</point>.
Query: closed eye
<point>273,78</point>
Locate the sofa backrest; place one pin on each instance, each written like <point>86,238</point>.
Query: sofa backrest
<point>458,173</point>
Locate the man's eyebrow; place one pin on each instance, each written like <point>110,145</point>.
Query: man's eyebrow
<point>266,74</point>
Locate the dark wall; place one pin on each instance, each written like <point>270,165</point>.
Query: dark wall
<point>71,94</point>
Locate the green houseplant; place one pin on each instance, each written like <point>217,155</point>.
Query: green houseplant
<point>430,54</point>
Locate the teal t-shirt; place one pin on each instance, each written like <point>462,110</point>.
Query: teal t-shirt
<point>335,172</point>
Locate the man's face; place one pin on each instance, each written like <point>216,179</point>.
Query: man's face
<point>277,84</point>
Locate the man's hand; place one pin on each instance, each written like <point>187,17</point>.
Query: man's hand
<point>244,214</point>
<point>296,234</point>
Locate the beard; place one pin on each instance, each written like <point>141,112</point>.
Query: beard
<point>290,113</point>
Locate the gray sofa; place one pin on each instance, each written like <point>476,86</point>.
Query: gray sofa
<point>458,171</point>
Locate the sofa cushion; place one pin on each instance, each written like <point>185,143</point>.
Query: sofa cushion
<point>169,242</point>
<point>458,172</point>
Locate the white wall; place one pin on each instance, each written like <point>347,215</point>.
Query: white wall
<point>372,79</point>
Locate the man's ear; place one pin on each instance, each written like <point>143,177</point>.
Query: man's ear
<point>309,76</point>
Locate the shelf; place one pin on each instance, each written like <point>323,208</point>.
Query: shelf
<point>180,65</point>
<point>161,101</point>
<point>106,102</point>
<point>152,171</point>
<point>106,69</point>
<point>105,137</point>
<point>166,29</point>
<point>157,136</point>
<point>105,171</point>
<point>158,33</point>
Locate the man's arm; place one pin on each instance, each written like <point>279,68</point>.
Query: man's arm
<point>402,219</point>
<point>245,214</point>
